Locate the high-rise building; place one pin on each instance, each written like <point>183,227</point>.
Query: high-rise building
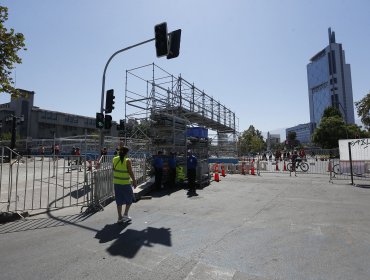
<point>329,82</point>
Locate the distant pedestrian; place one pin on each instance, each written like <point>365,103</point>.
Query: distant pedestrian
<point>104,153</point>
<point>78,160</point>
<point>71,158</point>
<point>42,152</point>
<point>192,172</point>
<point>57,150</point>
<point>302,154</point>
<point>124,195</point>
<point>172,171</point>
<point>104,157</point>
<point>158,170</point>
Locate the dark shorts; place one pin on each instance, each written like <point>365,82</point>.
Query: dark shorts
<point>124,194</point>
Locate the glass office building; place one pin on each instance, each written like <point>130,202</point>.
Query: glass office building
<point>329,82</point>
<point>303,132</point>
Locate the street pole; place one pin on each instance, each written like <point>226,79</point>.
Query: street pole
<point>14,124</point>
<point>54,154</point>
<point>103,84</point>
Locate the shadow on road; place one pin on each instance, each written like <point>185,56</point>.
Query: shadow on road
<point>128,243</point>
<point>164,192</point>
<point>33,224</point>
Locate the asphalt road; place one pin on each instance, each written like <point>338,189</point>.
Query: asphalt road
<point>245,227</point>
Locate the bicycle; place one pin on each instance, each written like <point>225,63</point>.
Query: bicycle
<point>356,170</point>
<point>299,164</point>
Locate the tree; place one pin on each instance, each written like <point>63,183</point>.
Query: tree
<point>332,128</point>
<point>329,131</point>
<point>10,44</point>
<point>331,112</point>
<point>292,141</point>
<point>251,141</point>
<point>363,109</point>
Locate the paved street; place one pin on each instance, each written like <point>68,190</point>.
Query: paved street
<point>245,227</point>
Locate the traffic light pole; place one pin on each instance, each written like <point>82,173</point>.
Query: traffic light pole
<point>103,82</point>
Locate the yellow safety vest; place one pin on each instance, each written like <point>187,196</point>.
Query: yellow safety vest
<point>180,174</point>
<point>120,172</point>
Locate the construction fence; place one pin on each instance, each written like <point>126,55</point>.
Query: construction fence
<point>40,182</point>
<point>355,172</point>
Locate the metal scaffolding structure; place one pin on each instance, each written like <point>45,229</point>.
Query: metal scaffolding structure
<point>170,104</point>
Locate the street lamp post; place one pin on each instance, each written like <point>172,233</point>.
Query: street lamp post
<point>167,44</point>
<point>103,83</point>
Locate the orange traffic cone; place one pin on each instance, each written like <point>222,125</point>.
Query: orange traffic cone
<point>252,170</point>
<point>284,166</point>
<point>217,177</point>
<point>277,166</point>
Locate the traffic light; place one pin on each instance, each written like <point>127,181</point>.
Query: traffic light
<point>99,120</point>
<point>109,101</point>
<point>161,39</point>
<point>174,44</point>
<point>108,121</point>
<point>122,124</point>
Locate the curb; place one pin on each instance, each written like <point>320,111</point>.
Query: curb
<point>142,190</point>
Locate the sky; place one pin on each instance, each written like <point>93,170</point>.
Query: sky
<point>250,55</point>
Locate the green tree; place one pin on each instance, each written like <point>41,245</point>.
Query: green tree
<point>332,128</point>
<point>251,141</point>
<point>363,109</point>
<point>332,112</point>
<point>329,131</point>
<point>10,44</point>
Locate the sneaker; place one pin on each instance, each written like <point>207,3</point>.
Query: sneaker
<point>126,218</point>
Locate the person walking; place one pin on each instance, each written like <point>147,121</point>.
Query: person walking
<point>122,172</point>
<point>192,172</point>
<point>158,170</point>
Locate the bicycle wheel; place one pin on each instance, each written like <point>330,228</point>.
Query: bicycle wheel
<point>336,169</point>
<point>357,171</point>
<point>289,166</point>
<point>304,166</point>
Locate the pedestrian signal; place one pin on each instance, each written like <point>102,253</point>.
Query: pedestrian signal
<point>99,120</point>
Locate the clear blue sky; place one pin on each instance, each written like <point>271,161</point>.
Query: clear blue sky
<point>249,55</point>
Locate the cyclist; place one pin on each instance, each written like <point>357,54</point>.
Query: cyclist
<point>294,159</point>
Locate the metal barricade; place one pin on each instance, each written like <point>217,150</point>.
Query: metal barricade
<point>42,182</point>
